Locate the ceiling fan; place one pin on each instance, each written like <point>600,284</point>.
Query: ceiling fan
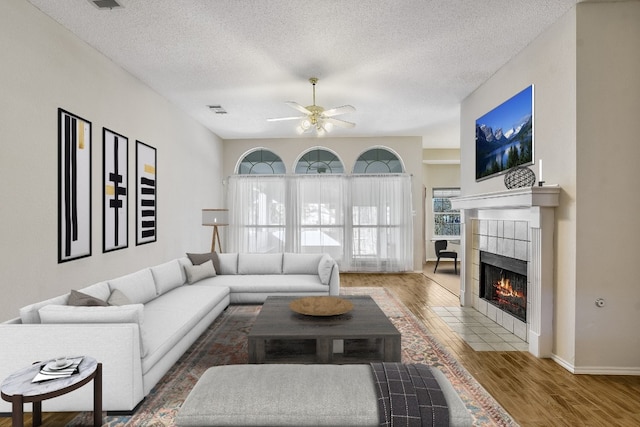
<point>317,118</point>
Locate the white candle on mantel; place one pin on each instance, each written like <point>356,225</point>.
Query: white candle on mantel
<point>540,171</point>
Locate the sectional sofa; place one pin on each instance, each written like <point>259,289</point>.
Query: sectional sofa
<point>138,325</point>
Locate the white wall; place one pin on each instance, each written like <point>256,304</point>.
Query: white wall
<point>584,69</point>
<point>608,202</point>
<point>409,149</point>
<point>45,67</point>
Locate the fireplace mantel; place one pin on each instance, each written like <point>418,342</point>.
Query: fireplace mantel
<point>534,207</point>
<point>508,199</point>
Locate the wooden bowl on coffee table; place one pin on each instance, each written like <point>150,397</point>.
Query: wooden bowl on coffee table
<point>321,306</point>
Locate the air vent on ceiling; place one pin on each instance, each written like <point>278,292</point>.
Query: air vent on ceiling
<point>217,109</point>
<point>105,4</point>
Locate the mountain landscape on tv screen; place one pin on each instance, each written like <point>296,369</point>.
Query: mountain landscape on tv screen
<point>499,150</point>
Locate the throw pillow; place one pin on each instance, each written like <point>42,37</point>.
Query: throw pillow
<point>118,298</point>
<point>325,268</point>
<point>80,299</point>
<point>196,273</point>
<point>197,259</point>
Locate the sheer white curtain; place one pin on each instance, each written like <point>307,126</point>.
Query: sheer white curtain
<point>364,221</point>
<point>381,226</point>
<point>317,217</point>
<point>257,213</point>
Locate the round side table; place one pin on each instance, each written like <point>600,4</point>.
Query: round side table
<point>18,389</point>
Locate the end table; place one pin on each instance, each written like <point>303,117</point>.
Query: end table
<point>18,389</point>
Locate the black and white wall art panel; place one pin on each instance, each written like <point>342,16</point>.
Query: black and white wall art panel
<point>115,188</point>
<point>74,187</point>
<point>146,188</point>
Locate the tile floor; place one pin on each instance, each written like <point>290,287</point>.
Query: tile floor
<point>480,332</point>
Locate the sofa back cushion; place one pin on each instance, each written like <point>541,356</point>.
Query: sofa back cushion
<point>228,263</point>
<point>139,287</point>
<point>133,313</point>
<point>300,263</point>
<point>167,276</point>
<point>260,263</point>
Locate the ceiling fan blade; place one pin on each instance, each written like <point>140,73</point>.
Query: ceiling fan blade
<point>298,107</point>
<point>280,119</point>
<point>339,110</point>
<point>341,123</point>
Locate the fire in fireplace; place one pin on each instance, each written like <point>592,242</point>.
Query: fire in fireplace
<point>503,283</point>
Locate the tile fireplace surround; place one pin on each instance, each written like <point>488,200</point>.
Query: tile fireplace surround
<point>517,223</point>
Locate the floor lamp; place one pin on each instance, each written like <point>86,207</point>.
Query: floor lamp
<point>215,218</point>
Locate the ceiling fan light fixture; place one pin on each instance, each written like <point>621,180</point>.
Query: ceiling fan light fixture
<point>317,117</point>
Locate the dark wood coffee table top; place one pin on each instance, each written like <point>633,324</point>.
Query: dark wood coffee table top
<point>276,321</point>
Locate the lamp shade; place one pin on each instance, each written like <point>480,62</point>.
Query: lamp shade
<point>215,216</point>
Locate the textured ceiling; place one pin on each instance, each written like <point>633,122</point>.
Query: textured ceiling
<point>404,65</point>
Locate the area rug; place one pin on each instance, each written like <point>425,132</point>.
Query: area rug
<point>225,343</point>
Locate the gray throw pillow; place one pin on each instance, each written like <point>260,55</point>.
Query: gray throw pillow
<point>197,259</point>
<point>196,273</point>
<point>117,297</point>
<point>80,299</point>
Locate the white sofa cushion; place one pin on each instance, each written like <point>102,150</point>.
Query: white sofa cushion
<point>228,263</point>
<point>198,272</point>
<point>139,287</point>
<point>260,263</point>
<point>325,267</point>
<point>300,263</point>
<point>169,318</point>
<point>167,276</point>
<point>269,283</point>
<point>133,313</point>
<point>29,313</point>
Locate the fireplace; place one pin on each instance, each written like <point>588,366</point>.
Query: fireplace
<point>517,223</point>
<point>503,283</point>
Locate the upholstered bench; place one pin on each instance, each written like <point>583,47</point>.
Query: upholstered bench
<point>294,395</point>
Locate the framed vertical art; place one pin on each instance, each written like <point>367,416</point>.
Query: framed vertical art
<point>74,187</point>
<point>115,191</point>
<point>146,194</point>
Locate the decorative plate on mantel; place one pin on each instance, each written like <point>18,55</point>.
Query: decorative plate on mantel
<point>321,306</point>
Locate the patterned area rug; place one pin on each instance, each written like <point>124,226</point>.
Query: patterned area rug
<point>225,343</point>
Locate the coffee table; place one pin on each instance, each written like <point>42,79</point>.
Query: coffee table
<point>280,335</point>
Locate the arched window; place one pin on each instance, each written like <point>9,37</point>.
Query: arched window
<point>378,160</point>
<point>261,162</point>
<point>319,161</point>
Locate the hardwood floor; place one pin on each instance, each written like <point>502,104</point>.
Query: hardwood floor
<point>536,392</point>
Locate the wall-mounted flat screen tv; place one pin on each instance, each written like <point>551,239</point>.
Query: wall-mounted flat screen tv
<point>504,136</point>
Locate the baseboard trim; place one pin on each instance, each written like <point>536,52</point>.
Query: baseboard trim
<point>596,370</point>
